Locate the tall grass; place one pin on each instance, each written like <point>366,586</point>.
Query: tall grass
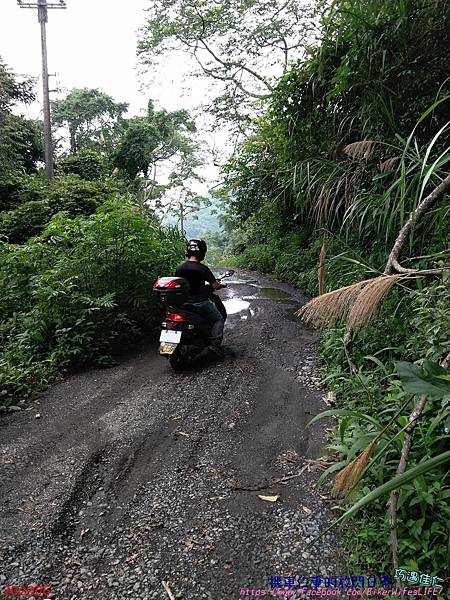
<point>356,195</point>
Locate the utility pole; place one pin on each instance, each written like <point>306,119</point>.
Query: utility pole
<point>43,6</point>
<point>182,217</point>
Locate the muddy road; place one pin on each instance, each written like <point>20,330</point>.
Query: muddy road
<point>135,475</point>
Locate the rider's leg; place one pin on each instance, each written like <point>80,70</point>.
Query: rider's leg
<point>217,333</point>
<point>209,311</point>
<point>219,305</point>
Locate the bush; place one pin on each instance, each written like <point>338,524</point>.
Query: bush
<point>37,200</point>
<point>294,258</point>
<point>411,323</point>
<point>26,221</point>
<point>87,164</point>
<point>82,286</point>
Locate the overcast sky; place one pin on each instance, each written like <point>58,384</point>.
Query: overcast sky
<point>93,44</point>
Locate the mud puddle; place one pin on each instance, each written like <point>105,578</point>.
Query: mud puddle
<point>234,305</point>
<point>243,305</point>
<point>276,294</point>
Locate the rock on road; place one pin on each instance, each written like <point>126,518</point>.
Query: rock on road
<point>136,475</point>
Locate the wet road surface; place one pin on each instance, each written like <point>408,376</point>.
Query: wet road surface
<point>136,475</point>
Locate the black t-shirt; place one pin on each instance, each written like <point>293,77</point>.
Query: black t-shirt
<point>196,274</point>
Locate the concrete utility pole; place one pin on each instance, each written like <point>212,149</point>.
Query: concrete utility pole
<point>182,217</point>
<point>43,7</point>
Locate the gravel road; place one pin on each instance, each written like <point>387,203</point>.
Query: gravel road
<point>135,475</point>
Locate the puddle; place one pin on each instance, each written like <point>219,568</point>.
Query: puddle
<point>275,294</point>
<point>234,305</point>
<point>234,279</point>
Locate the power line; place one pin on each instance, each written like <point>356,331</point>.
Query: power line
<point>43,6</point>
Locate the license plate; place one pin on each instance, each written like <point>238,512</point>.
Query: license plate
<point>167,348</point>
<point>174,337</point>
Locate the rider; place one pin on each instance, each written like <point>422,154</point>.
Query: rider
<point>197,274</point>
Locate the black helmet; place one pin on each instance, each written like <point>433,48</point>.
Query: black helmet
<point>196,248</point>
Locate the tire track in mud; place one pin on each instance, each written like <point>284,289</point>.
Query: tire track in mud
<point>84,488</point>
<point>136,466</point>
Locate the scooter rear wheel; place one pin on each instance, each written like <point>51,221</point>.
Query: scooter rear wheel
<point>179,360</point>
<point>188,357</point>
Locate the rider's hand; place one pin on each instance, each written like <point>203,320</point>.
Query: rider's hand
<point>223,285</point>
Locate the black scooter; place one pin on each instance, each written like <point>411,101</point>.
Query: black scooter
<point>185,334</point>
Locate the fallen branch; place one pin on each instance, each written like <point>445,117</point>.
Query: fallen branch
<point>265,485</point>
<point>357,303</point>
<point>393,498</point>
<point>393,260</point>
<point>168,590</point>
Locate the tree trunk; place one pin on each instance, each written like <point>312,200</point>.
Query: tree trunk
<point>393,262</point>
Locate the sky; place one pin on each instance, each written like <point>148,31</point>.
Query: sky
<point>93,44</point>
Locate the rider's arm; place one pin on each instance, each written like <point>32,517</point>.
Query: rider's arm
<point>216,285</point>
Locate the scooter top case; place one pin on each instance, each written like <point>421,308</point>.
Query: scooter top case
<point>172,291</point>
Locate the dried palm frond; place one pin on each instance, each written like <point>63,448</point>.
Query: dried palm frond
<point>322,270</point>
<point>369,299</point>
<point>389,164</point>
<point>333,306</point>
<point>347,479</point>
<point>354,303</point>
<point>362,149</point>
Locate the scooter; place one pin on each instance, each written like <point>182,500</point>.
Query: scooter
<point>185,334</point>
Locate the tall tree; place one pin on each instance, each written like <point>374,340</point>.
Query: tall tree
<point>160,150</point>
<point>244,45</point>
<point>20,138</point>
<point>92,118</point>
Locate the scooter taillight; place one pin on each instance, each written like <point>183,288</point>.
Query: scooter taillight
<point>165,283</point>
<point>172,316</point>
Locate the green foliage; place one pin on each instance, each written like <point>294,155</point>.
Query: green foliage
<point>26,221</point>
<point>91,117</point>
<point>37,199</point>
<point>84,285</point>
<point>20,139</point>
<point>87,164</point>
<point>355,87</point>
<point>149,140</point>
<point>429,379</point>
<point>78,253</point>
<point>373,395</point>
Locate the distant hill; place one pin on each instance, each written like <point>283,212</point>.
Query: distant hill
<point>205,221</point>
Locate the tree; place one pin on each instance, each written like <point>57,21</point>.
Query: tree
<point>87,164</point>
<point>184,207</point>
<point>20,139</point>
<point>150,140</point>
<point>245,45</point>
<point>92,117</point>
<point>158,150</point>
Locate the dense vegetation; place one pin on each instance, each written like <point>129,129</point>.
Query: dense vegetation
<point>79,253</point>
<point>353,138</point>
<point>347,142</point>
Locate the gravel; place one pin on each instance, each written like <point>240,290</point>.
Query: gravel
<point>136,475</point>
